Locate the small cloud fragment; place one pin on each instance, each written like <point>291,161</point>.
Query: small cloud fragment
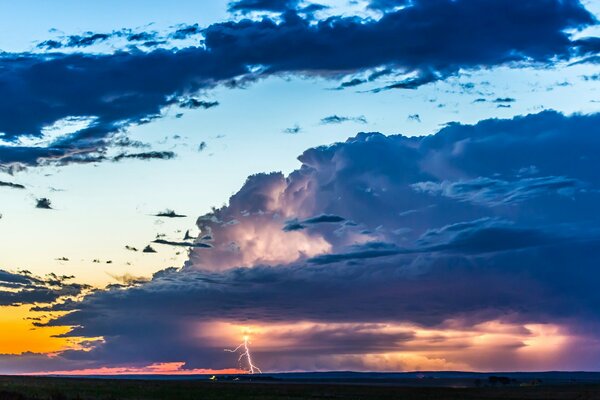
<point>148,249</point>
<point>293,130</point>
<point>414,118</point>
<point>169,214</point>
<point>11,185</point>
<point>43,203</point>
<point>337,119</point>
<point>182,244</point>
<point>193,103</point>
<point>150,155</point>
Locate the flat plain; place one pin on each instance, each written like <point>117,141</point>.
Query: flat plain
<point>47,388</point>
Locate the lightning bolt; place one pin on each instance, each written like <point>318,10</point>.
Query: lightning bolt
<point>245,354</point>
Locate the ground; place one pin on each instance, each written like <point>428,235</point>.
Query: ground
<point>25,388</point>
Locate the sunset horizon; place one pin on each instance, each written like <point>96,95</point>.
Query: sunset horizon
<point>244,189</point>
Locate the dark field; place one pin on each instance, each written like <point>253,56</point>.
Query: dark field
<point>24,388</point>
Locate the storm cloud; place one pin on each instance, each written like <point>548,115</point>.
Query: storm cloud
<point>395,258</point>
<point>18,288</point>
<point>125,88</point>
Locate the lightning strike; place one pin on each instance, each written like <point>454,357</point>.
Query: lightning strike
<point>245,354</point>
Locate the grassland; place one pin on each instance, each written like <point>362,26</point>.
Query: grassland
<point>26,388</point>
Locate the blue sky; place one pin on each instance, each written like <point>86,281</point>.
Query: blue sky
<point>286,88</point>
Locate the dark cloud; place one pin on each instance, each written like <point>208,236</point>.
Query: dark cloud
<point>414,117</point>
<point>484,236</point>
<point>150,155</point>
<point>24,288</point>
<point>423,78</point>
<point>182,244</point>
<point>274,6</point>
<point>246,6</point>
<point>352,83</point>
<point>141,37</point>
<point>589,46</point>
<point>185,31</point>
<point>367,251</point>
<point>127,88</point>
<point>464,256</point>
<point>194,103</point>
<point>324,218</point>
<point>336,119</point>
<point>504,100</point>
<point>85,40</point>
<point>148,249</point>
<point>295,225</point>
<point>293,130</point>
<point>169,214</point>
<point>18,278</point>
<point>43,203</point>
<point>124,141</point>
<point>11,185</point>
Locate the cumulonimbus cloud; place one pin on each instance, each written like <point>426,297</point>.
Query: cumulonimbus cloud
<point>388,261</point>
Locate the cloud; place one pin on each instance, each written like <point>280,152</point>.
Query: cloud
<point>150,155</point>
<point>496,191</point>
<point>324,218</point>
<point>88,39</point>
<point>126,88</point>
<point>85,40</point>
<point>486,235</point>
<point>422,78</point>
<point>414,117</point>
<point>193,103</point>
<point>504,100</point>
<point>293,130</point>
<point>336,119</point>
<point>24,288</point>
<point>182,244</point>
<point>43,203</point>
<point>246,6</point>
<point>294,225</point>
<point>148,249</point>
<point>169,214</point>
<point>184,31</point>
<point>129,280</point>
<point>11,185</point>
<point>467,263</point>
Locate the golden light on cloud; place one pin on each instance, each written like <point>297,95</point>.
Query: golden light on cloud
<point>395,346</point>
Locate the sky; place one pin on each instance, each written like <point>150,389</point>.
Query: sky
<point>370,185</point>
